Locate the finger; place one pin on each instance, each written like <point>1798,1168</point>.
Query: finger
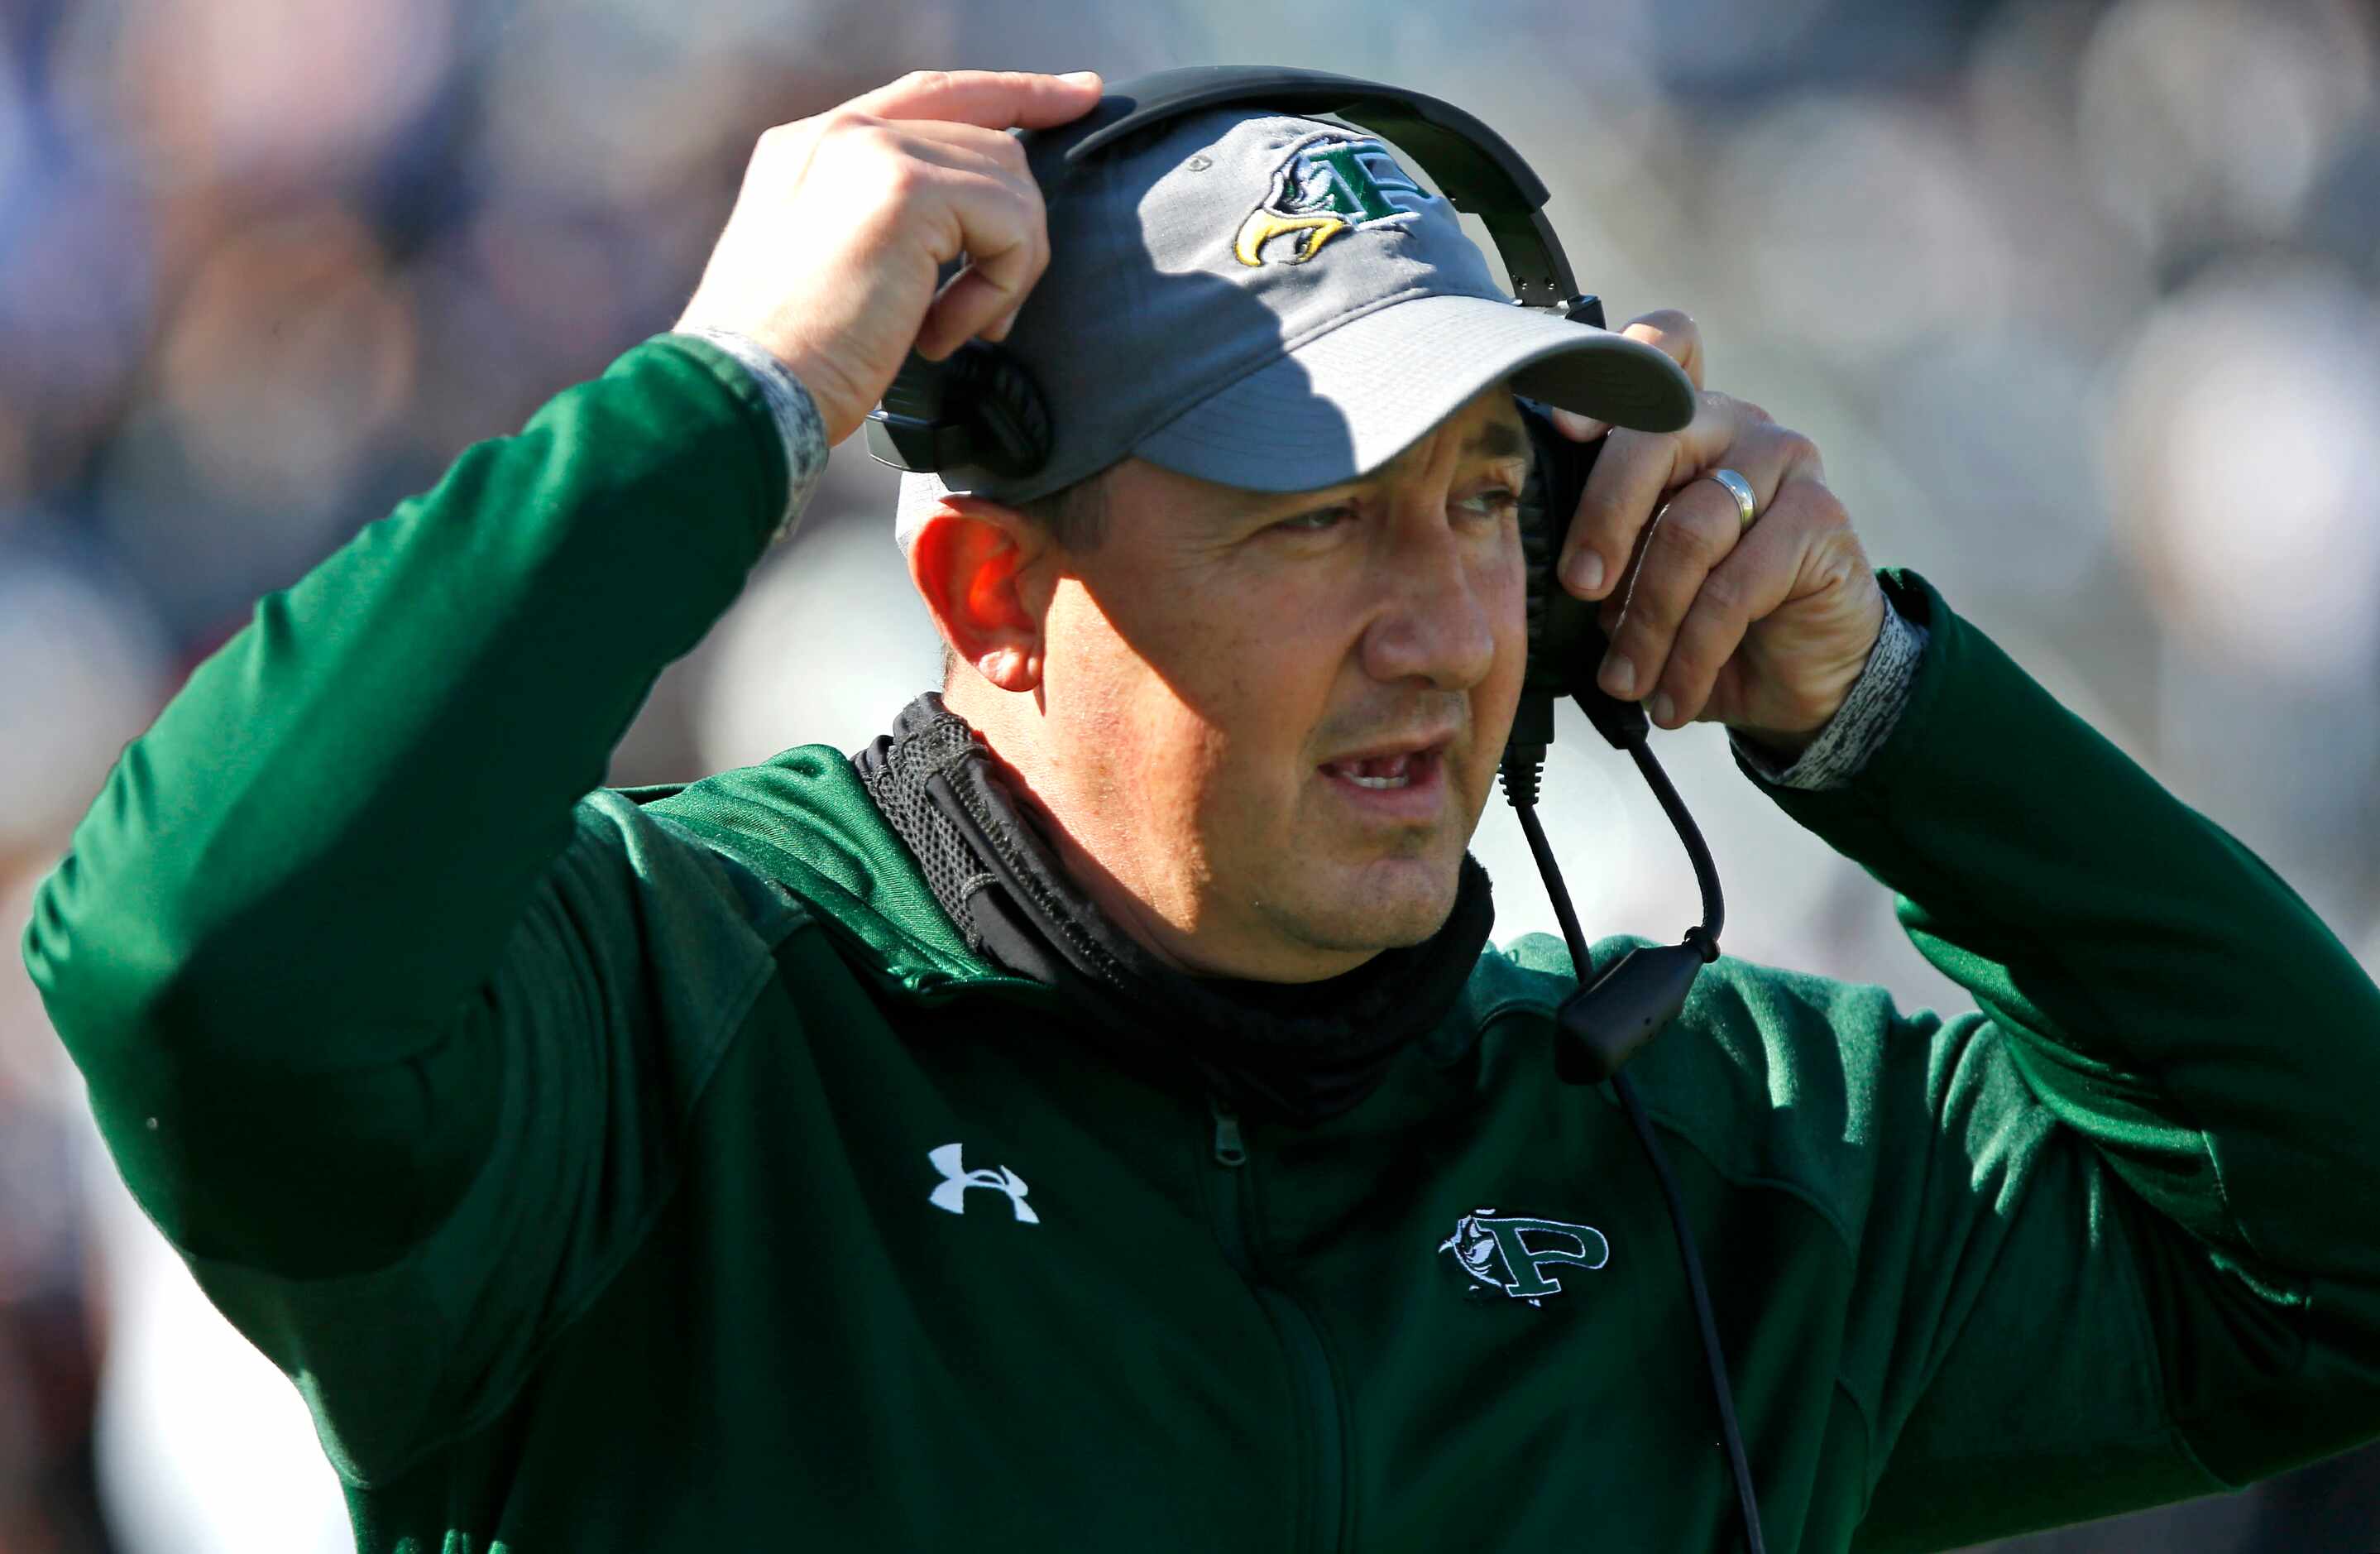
<point>1699,529</point>
<point>1666,328</point>
<point>1757,575</point>
<point>1577,428</point>
<point>1690,536</point>
<point>994,99</point>
<point>962,144</point>
<point>1674,332</point>
<point>960,148</point>
<point>1626,484</point>
<point>1002,230</point>
<point>996,292</point>
<point>1615,603</point>
<point>972,304</point>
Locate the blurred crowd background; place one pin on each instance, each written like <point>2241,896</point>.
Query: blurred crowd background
<point>2078,300</point>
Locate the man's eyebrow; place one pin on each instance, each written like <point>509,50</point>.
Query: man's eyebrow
<point>1495,439</point>
<point>1499,439</point>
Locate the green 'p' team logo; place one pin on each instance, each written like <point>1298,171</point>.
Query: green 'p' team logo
<point>1330,184</point>
<point>1520,1256</point>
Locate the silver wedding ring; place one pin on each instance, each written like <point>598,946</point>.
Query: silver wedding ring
<point>1738,487</point>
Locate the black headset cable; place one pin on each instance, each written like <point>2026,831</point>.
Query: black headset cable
<point>1522,795</point>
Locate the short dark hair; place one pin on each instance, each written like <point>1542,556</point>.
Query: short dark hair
<point>1075,515</point>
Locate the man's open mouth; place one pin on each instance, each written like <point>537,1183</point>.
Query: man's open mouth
<point>1399,781</point>
<point>1398,770</point>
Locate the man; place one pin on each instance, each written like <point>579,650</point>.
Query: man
<point>1091,1119</point>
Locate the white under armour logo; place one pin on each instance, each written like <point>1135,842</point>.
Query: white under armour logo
<point>958,1179</point>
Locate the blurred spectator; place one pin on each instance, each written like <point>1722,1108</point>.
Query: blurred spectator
<point>49,1338</point>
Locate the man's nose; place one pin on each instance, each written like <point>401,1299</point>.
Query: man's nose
<point>1433,623</point>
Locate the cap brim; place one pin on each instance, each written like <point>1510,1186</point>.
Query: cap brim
<point>1347,401</point>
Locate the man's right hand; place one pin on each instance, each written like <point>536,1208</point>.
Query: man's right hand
<point>831,256</point>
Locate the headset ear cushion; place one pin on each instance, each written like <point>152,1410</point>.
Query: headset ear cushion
<point>1006,421</point>
<point>1538,545</point>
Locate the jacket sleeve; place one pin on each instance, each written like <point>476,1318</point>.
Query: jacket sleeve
<point>341,952</point>
<point>2122,1238</point>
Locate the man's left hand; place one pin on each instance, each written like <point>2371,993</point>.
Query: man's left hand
<point>1762,628</point>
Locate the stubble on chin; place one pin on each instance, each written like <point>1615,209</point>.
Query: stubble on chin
<point>1387,903</point>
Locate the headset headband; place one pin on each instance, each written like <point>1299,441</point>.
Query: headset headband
<point>1477,169</point>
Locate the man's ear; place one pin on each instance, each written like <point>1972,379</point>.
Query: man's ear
<point>970,562</point>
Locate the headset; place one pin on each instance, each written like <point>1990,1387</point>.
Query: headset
<point>978,412</point>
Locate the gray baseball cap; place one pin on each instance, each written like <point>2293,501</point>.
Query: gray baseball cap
<point>1275,303</point>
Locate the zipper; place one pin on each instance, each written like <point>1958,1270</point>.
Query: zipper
<point>1230,1148</point>
<point>1316,1388</point>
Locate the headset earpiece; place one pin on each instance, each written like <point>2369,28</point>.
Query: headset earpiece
<point>976,413</point>
<point>1566,646</point>
<point>1007,423</point>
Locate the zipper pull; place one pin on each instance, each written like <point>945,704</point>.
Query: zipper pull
<point>1229,1149</point>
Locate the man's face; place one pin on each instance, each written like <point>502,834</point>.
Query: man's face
<point>1272,721</point>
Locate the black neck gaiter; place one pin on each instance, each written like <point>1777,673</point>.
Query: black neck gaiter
<point>1298,1050</point>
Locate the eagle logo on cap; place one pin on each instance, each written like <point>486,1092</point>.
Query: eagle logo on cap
<point>1324,187</point>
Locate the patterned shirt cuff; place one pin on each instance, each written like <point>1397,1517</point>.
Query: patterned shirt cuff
<point>799,426</point>
<point>1861,723</point>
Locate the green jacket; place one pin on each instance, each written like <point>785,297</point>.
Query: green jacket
<point>656,1170</point>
